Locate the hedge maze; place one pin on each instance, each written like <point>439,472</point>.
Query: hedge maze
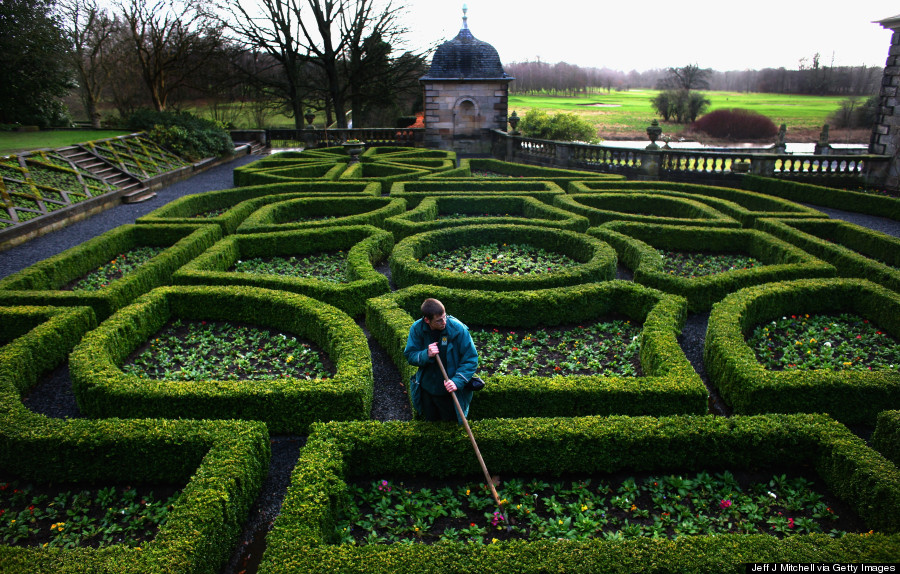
<point>381,220</point>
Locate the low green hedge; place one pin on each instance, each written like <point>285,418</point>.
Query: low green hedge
<point>868,203</point>
<point>669,385</point>
<point>285,405</point>
<point>596,260</point>
<point>383,173</point>
<point>849,396</point>
<point>415,191</point>
<point>220,464</point>
<point>323,212</point>
<point>744,206</point>
<point>240,202</point>
<point>365,246</point>
<point>636,245</point>
<point>42,283</point>
<point>491,211</point>
<point>522,172</point>
<point>433,165</point>
<point>391,153</point>
<point>855,251</point>
<point>245,175</point>
<point>886,438</point>
<point>600,208</point>
<point>302,538</point>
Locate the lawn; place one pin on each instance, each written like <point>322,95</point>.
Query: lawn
<point>14,142</point>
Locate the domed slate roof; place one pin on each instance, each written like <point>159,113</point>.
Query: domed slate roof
<point>465,57</point>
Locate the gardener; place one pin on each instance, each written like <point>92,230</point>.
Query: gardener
<point>437,333</point>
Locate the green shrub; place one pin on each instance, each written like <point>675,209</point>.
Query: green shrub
<point>504,209</point>
<point>366,246</point>
<point>302,538</point>
<point>636,245</point>
<point>600,208</point>
<point>881,206</point>
<point>285,405</point>
<point>42,283</point>
<point>561,126</point>
<point>736,124</point>
<point>596,260</point>
<point>855,251</point>
<point>744,206</point>
<point>183,133</point>
<point>669,385</point>
<point>220,464</point>
<point>324,212</point>
<point>521,172</point>
<point>886,438</point>
<point>849,396</point>
<point>299,172</point>
<point>415,191</point>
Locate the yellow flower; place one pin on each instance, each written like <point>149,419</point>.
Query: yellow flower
<point>467,492</point>
<point>494,541</point>
<point>633,507</point>
<point>812,340</point>
<point>583,507</point>
<point>289,359</point>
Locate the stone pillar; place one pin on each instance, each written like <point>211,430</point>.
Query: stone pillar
<point>885,138</point>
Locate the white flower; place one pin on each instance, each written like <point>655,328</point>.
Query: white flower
<point>772,494</point>
<point>827,344</point>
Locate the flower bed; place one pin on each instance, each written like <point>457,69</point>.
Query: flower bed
<point>285,405</point>
<point>306,213</point>
<point>497,210</point>
<point>744,206</point>
<point>365,246</point>
<point>241,202</point>
<point>596,260</point>
<point>206,519</point>
<point>855,251</point>
<point>636,245</point>
<point>43,283</point>
<point>304,536</point>
<point>604,207</point>
<point>669,384</point>
<point>849,396</point>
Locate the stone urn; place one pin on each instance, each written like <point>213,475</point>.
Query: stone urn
<point>353,149</point>
<point>653,132</point>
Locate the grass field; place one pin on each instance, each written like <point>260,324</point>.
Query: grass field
<point>14,142</point>
<point>623,115</point>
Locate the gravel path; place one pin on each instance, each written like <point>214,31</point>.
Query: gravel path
<point>53,395</point>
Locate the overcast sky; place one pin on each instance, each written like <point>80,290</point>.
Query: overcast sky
<point>646,34</point>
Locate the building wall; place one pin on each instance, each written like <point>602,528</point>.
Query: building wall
<point>886,134</point>
<point>459,114</point>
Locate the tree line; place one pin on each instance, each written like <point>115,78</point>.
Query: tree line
<point>272,56</point>
<point>811,77</point>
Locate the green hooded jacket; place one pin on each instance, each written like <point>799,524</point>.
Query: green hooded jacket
<point>461,363</point>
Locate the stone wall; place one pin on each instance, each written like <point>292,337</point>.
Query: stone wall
<point>886,133</point>
<point>459,114</point>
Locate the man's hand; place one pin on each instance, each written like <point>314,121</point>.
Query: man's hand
<point>433,350</point>
<point>450,386</point>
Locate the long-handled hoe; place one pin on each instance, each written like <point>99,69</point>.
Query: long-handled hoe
<point>487,476</point>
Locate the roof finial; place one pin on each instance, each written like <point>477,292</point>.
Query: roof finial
<point>465,23</point>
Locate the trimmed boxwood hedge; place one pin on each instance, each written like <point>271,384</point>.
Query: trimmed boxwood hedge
<point>250,175</point>
<point>886,438</point>
<point>669,385</point>
<point>849,396</point>
<point>855,251</point>
<point>285,405</point>
<point>221,464</point>
<point>284,215</point>
<point>744,206</point>
<point>522,172</point>
<point>597,260</point>
<point>391,153</point>
<point>383,173</point>
<point>243,201</point>
<point>425,216</point>
<point>871,204</point>
<point>636,245</point>
<point>433,165</point>
<point>366,246</point>
<point>415,191</point>
<point>302,538</point>
<point>600,208</point>
<point>41,283</point>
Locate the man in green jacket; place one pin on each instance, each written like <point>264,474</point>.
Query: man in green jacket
<point>437,333</point>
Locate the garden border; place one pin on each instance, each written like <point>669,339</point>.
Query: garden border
<point>686,211</point>
<point>266,219</point>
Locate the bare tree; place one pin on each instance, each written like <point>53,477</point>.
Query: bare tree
<point>172,40</point>
<point>89,30</point>
<point>690,77</point>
